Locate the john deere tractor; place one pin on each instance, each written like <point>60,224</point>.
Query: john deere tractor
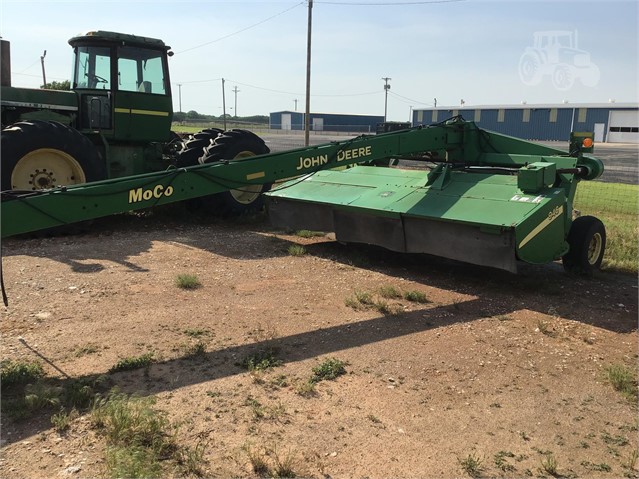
<point>115,122</point>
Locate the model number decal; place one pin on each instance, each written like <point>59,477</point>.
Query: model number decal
<point>556,211</point>
<point>157,192</point>
<point>553,214</point>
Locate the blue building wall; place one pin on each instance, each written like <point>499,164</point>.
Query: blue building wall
<point>331,121</point>
<point>539,124</point>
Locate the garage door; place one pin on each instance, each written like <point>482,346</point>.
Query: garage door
<point>624,126</point>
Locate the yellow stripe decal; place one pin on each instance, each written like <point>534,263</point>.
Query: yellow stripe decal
<point>255,176</point>
<point>142,112</point>
<point>540,227</point>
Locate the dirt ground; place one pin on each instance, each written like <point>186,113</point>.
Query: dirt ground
<point>506,369</point>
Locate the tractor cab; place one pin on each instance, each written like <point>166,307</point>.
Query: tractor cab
<point>123,86</point>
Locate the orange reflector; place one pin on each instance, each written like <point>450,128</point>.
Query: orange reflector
<point>587,142</point>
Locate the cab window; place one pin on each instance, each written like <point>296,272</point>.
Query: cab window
<point>141,70</point>
<point>93,68</point>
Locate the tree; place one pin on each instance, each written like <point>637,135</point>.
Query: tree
<point>55,85</point>
<point>194,115</point>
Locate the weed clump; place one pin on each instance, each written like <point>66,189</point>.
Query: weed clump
<point>187,281</point>
<point>13,373</point>
<point>261,360</point>
<point>329,369</point>
<point>133,362</point>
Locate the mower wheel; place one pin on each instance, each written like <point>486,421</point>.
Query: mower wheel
<point>38,155</point>
<point>587,242</point>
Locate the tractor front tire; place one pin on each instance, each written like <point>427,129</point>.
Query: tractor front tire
<point>38,155</point>
<point>587,242</point>
<point>236,145</point>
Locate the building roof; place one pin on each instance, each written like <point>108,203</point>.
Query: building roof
<point>534,105</point>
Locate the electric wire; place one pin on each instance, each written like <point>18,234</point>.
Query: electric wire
<point>242,30</point>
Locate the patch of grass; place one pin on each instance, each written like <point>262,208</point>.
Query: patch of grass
<point>13,373</point>
<point>545,328</point>
<point>501,463</point>
<point>614,440</point>
<point>374,419</point>
<point>194,350</point>
<point>132,362</point>
<point>306,388</point>
<point>261,411</point>
<point>261,360</point>
<point>259,461</point>
<point>296,250</point>
<point>390,292</point>
<point>362,300</point>
<point>187,281</point>
<point>549,464</point>
<point>603,467</point>
<point>196,332</point>
<point>387,309</point>
<point>416,297</point>
<point>82,392</point>
<point>62,420</point>
<point>191,459</point>
<point>364,297</point>
<point>617,206</point>
<point>623,380</point>
<point>22,401</point>
<point>329,369</point>
<point>283,464</point>
<point>86,350</point>
<point>309,234</point>
<point>138,436</point>
<point>472,465</point>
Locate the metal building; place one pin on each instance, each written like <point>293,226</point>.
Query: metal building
<point>611,122</point>
<point>294,120</point>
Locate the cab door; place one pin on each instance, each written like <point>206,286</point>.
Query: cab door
<point>142,99</point>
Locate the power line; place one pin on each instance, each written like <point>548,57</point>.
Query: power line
<point>389,4</point>
<point>242,30</point>
<point>409,100</point>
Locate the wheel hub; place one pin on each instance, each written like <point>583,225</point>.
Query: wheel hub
<point>46,168</point>
<point>42,179</point>
<point>594,248</point>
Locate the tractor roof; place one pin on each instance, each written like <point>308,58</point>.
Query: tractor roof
<point>101,36</point>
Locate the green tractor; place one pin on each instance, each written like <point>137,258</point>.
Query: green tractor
<point>115,122</point>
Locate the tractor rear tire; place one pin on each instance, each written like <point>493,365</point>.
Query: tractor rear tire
<point>39,155</point>
<point>236,145</point>
<point>587,241</point>
<point>193,148</point>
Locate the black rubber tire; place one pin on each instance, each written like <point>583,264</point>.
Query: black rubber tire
<point>36,142</point>
<point>193,148</point>
<point>587,241</point>
<point>236,144</point>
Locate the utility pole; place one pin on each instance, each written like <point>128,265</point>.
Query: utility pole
<point>295,104</point>
<point>223,105</point>
<point>180,95</point>
<point>44,77</point>
<point>410,114</point>
<point>235,90</point>
<point>307,117</point>
<point>386,88</point>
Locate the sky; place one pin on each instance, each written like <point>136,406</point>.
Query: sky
<point>448,50</point>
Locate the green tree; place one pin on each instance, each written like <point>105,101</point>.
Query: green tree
<point>57,85</point>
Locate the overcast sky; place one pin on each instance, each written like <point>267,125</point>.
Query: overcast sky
<point>449,50</point>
